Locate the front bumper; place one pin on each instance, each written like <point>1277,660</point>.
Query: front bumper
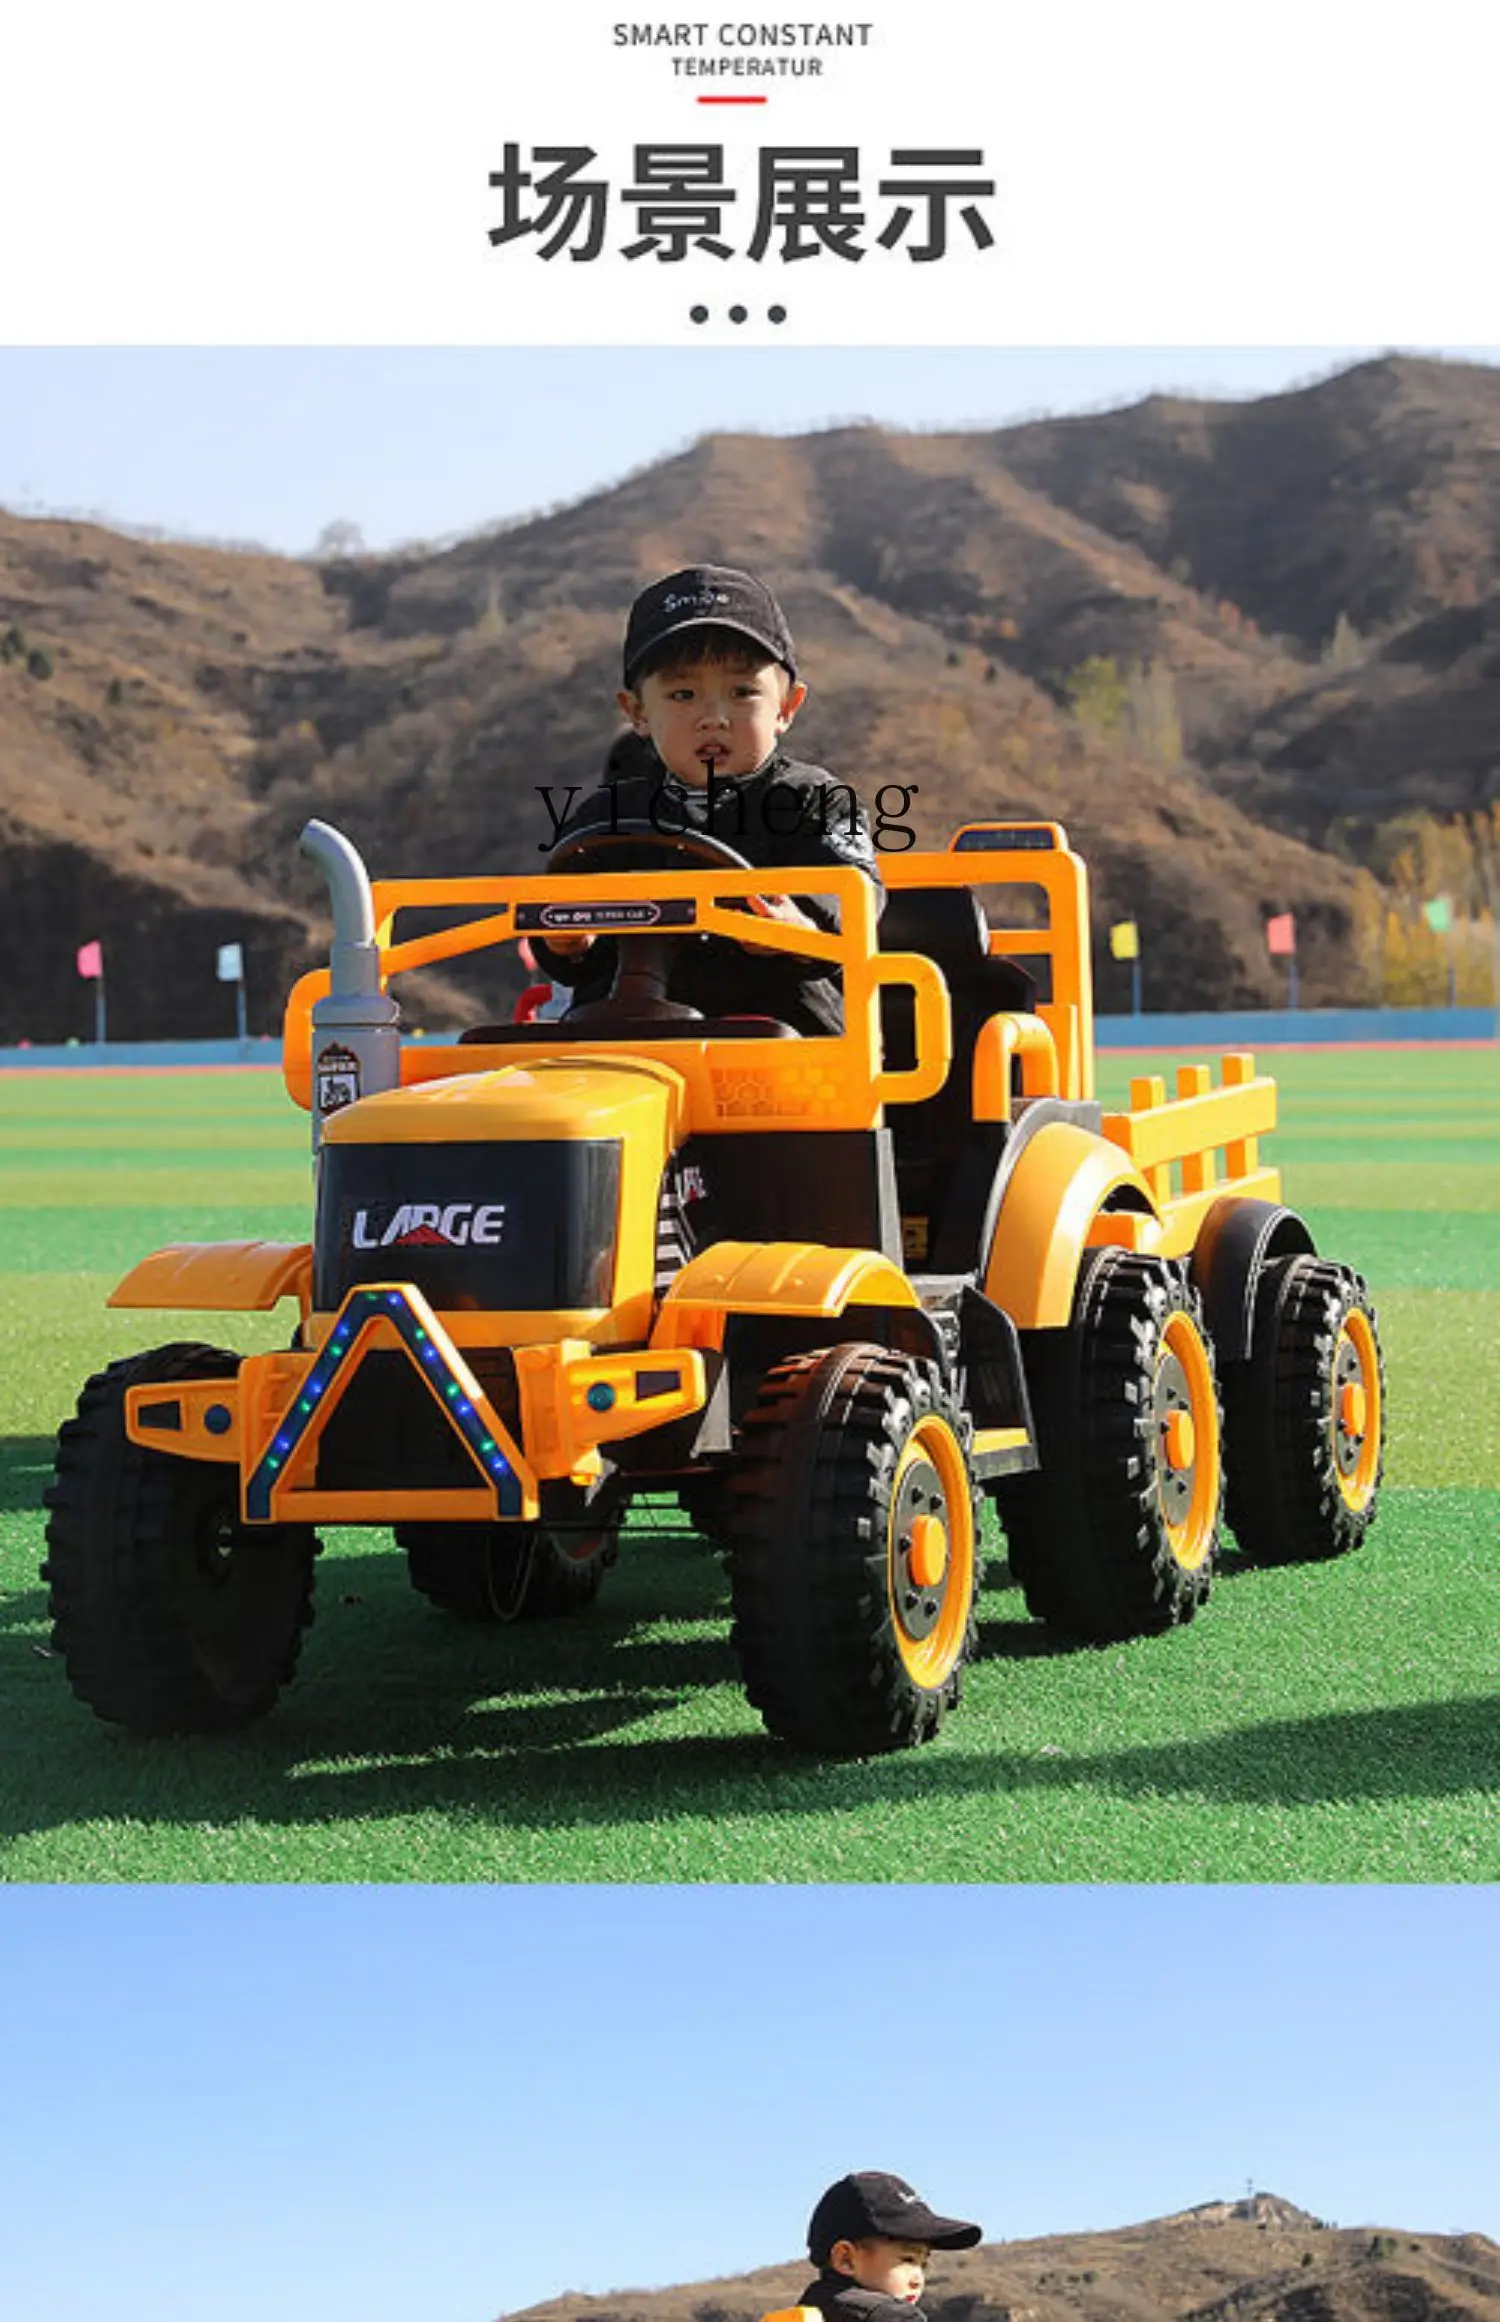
<point>269,1420</point>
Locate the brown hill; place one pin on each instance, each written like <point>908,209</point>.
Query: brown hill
<point>1374,493</point>
<point>1129,623</point>
<point>1260,2259</point>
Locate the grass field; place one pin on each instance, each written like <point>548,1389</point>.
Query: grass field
<point>1329,1723</point>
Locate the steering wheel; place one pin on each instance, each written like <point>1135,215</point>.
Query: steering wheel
<point>640,846</point>
<point>638,993</point>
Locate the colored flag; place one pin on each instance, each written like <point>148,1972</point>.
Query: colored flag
<point>1438,914</point>
<point>1281,935</point>
<point>91,959</point>
<point>231,964</point>
<point>1125,939</point>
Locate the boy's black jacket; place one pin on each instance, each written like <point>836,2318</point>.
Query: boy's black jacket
<point>840,2300</point>
<point>710,972</point>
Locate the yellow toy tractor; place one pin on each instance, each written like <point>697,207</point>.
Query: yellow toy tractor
<point>828,1290</point>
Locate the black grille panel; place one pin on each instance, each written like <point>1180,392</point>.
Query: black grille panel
<point>388,1434</point>
<point>477,1227</point>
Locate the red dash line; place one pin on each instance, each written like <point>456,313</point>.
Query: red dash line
<point>731,100</point>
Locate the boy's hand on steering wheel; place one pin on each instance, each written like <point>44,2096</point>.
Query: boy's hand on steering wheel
<point>774,907</point>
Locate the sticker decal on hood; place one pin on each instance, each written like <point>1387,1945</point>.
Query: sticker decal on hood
<point>453,1225</point>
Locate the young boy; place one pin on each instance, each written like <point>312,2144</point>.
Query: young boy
<point>710,690</point>
<point>870,2238</point>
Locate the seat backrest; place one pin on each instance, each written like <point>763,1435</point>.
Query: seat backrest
<point>947,925</point>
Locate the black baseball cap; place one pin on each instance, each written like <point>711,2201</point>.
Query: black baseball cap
<point>870,2205</point>
<point>707,596</point>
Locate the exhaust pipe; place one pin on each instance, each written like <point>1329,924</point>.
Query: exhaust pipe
<point>357,1028</point>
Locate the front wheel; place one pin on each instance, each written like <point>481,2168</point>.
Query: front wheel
<point>1114,1535</point>
<point>171,1615</point>
<point>853,1551</point>
<point>1305,1416</point>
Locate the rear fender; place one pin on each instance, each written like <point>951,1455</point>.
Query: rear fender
<point>781,1279</point>
<point>1234,1242</point>
<point>1061,1182</point>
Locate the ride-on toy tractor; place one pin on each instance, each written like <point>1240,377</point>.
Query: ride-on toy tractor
<point>827,1290</point>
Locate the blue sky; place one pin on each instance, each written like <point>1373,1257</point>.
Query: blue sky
<point>272,444</point>
<point>433,2105</point>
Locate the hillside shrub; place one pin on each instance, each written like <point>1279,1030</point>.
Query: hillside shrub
<point>1139,701</point>
<point>1154,717</point>
<point>38,664</point>
<point>1096,693</point>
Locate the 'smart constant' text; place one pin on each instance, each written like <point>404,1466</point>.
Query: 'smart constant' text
<point>748,35</point>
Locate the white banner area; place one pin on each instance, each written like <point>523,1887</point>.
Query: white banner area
<point>928,172</point>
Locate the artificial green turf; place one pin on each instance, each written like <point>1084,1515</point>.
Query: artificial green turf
<point>1334,1722</point>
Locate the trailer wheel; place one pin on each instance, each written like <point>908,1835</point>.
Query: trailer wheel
<point>853,1550</point>
<point>1114,1534</point>
<point>1305,1416</point>
<point>171,1615</point>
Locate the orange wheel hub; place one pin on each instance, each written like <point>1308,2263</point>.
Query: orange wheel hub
<point>1186,1417</point>
<point>1181,1440</point>
<point>1357,1415</point>
<point>929,1551</point>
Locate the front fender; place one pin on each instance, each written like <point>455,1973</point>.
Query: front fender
<point>223,1277</point>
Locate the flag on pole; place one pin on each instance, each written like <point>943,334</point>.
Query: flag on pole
<point>1281,935</point>
<point>91,959</point>
<point>1125,939</point>
<point>231,963</point>
<point>1438,914</point>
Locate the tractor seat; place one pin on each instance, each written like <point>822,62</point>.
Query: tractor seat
<point>947,925</point>
<point>931,1137</point>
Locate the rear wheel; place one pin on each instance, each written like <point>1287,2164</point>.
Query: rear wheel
<point>1114,1535</point>
<point>853,1550</point>
<point>1305,1416</point>
<point>171,1615</point>
<point>498,1573</point>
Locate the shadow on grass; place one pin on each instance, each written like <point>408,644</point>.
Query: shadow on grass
<point>402,1710</point>
<point>25,1472</point>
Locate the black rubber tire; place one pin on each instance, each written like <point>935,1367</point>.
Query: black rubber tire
<point>170,1615</point>
<point>833,1445</point>
<point>1089,1534</point>
<point>496,1574</point>
<point>1284,1453</point>
<point>706,1502</point>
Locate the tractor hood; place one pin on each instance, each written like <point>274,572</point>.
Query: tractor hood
<point>593,1096</point>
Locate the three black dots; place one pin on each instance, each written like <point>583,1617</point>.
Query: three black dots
<point>737,314</point>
